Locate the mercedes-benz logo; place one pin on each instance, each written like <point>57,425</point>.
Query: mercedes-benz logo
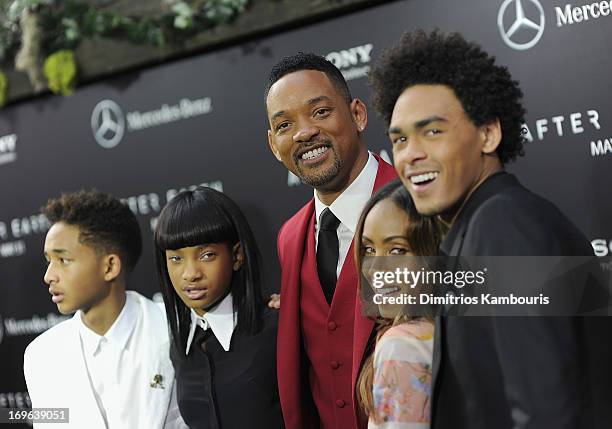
<point>107,123</point>
<point>532,30</point>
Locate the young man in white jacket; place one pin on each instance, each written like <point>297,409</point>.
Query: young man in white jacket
<point>109,364</point>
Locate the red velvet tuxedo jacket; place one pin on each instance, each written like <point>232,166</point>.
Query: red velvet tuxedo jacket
<point>340,333</point>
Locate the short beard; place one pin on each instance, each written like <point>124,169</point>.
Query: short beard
<point>321,178</point>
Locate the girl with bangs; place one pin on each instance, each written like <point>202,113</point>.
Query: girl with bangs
<point>394,385</point>
<point>223,336</point>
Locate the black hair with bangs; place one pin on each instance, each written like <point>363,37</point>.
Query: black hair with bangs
<point>204,216</point>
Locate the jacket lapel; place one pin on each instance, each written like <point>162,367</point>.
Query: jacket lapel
<point>292,239</point>
<point>363,325</point>
<point>157,379</point>
<point>452,246</point>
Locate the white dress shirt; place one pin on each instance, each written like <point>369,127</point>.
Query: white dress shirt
<point>347,208</point>
<point>221,319</point>
<point>108,361</point>
<point>69,366</point>
<point>113,366</point>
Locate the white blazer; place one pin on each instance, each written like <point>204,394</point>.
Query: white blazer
<point>57,377</point>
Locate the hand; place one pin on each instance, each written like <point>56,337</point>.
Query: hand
<point>274,301</point>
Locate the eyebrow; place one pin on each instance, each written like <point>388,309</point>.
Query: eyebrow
<point>56,251</point>
<point>318,99</point>
<point>310,102</point>
<point>393,237</point>
<point>419,124</point>
<point>277,114</point>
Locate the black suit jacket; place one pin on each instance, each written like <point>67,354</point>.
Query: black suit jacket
<point>519,372</point>
<point>235,389</point>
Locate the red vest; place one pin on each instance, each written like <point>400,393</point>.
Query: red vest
<point>308,344</point>
<point>328,337</point>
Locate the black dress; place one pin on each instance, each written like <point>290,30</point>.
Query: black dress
<point>236,389</point>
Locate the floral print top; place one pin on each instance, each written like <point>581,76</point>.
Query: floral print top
<point>402,377</point>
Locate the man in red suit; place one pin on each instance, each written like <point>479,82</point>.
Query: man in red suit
<point>316,132</point>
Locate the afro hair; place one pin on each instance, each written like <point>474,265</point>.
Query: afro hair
<point>486,90</point>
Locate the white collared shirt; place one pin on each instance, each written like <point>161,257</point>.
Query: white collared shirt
<point>221,319</point>
<point>111,365</point>
<point>115,366</point>
<point>347,208</point>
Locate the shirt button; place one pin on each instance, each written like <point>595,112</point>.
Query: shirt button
<point>334,364</point>
<point>340,403</point>
<point>332,326</point>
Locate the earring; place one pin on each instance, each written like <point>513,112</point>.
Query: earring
<point>237,264</point>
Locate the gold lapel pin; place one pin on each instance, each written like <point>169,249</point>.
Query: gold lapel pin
<point>157,382</point>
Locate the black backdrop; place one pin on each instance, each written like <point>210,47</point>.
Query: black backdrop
<point>202,120</point>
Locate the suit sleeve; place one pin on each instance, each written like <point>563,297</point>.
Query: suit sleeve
<point>32,379</point>
<point>538,356</point>
<point>28,368</point>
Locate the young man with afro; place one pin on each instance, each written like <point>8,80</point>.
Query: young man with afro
<point>455,120</point>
